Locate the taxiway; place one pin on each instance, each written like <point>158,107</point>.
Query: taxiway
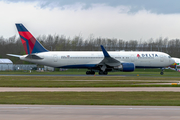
<point>79,112</point>
<point>90,89</point>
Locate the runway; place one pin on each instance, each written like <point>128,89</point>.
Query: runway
<point>75,75</point>
<point>86,89</point>
<point>78,112</point>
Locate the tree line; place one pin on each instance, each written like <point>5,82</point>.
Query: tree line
<point>13,45</point>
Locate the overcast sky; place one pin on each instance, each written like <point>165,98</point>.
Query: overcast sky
<point>121,19</point>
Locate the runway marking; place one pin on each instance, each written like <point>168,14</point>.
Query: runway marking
<point>2,106</point>
<point>91,89</point>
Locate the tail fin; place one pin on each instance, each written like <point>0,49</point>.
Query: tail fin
<point>31,45</point>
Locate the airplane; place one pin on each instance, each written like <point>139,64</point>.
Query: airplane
<point>95,61</point>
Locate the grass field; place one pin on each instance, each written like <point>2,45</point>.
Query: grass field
<point>84,81</point>
<point>140,72</point>
<point>130,79</point>
<point>92,98</point>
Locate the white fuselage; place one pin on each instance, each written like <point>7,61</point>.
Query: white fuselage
<point>82,59</point>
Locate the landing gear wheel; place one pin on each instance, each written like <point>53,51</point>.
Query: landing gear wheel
<point>162,73</point>
<point>100,72</point>
<point>90,72</point>
<point>103,73</point>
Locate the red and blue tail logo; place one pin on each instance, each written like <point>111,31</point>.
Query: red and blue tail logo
<point>31,45</point>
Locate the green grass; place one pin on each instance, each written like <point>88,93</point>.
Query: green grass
<point>87,81</point>
<point>141,72</point>
<point>108,81</point>
<point>92,98</point>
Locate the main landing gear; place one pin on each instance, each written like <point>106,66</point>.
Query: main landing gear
<point>100,73</point>
<point>103,73</point>
<point>162,71</point>
<point>90,72</point>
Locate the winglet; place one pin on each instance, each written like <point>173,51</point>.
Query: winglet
<point>105,52</point>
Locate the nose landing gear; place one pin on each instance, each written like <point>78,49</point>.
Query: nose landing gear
<point>162,71</point>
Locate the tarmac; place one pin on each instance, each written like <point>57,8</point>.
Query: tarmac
<point>90,89</point>
<point>82,112</point>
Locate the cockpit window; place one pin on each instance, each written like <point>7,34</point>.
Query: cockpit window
<point>169,56</point>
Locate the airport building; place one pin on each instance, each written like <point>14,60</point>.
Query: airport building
<point>6,64</point>
<point>24,66</point>
<point>47,68</point>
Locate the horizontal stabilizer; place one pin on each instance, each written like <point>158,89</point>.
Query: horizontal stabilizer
<point>14,55</point>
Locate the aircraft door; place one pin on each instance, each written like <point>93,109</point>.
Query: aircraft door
<point>55,57</point>
<point>132,58</point>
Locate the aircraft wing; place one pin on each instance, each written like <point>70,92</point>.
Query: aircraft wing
<point>108,61</point>
<point>14,55</point>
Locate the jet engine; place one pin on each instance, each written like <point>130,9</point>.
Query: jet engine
<point>126,67</point>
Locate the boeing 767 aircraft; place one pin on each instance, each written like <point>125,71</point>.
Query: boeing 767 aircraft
<point>100,61</point>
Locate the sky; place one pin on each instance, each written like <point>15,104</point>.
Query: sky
<point>120,19</point>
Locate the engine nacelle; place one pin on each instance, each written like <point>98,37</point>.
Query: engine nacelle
<point>126,67</point>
